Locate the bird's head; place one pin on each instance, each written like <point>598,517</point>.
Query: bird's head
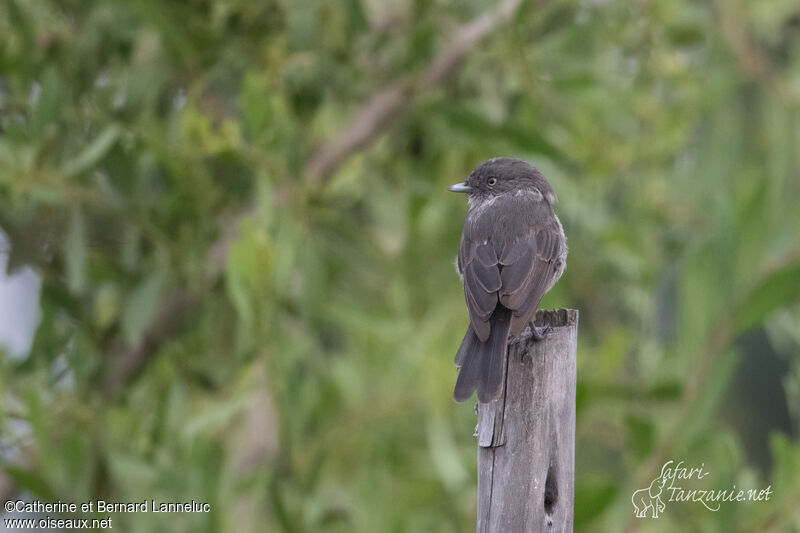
<point>504,175</point>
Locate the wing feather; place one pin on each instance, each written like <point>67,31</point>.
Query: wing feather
<point>488,277</point>
<point>524,299</point>
<point>486,255</point>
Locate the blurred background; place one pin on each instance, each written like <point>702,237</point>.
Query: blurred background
<point>226,270</point>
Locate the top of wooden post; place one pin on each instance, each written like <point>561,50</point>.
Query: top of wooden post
<point>556,318</point>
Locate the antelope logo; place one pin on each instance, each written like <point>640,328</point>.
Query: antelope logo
<point>650,498</point>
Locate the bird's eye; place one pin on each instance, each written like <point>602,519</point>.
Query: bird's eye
<point>492,181</point>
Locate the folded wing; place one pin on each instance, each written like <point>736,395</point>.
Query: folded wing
<point>512,263</point>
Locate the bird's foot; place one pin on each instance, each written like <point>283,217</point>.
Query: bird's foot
<point>539,334</point>
<point>531,331</point>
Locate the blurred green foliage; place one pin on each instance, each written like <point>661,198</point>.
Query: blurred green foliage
<point>218,325</point>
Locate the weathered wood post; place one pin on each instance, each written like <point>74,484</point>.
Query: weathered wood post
<point>526,438</point>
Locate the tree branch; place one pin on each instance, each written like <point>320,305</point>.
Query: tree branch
<point>124,362</point>
<point>372,118</point>
<point>377,113</point>
<point>752,60</point>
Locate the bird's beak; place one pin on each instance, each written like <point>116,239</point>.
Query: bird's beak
<point>460,187</point>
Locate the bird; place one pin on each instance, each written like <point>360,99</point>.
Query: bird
<point>513,250</point>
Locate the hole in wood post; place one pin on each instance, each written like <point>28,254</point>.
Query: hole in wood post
<point>550,492</point>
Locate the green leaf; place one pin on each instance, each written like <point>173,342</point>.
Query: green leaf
<point>31,481</point>
<point>444,454</point>
<point>591,499</point>
<point>76,459</point>
<point>520,137</point>
<point>141,307</point>
<point>641,435</point>
<point>356,19</point>
<point>132,468</point>
<point>50,99</point>
<point>40,424</point>
<point>710,396</point>
<point>786,469</point>
<point>779,289</point>
<point>92,153</point>
<point>20,23</point>
<point>214,416</point>
<point>75,252</point>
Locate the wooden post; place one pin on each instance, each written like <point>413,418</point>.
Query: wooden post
<point>526,438</point>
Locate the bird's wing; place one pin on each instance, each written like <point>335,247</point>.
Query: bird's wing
<point>479,266</point>
<point>528,265</point>
<point>508,256</point>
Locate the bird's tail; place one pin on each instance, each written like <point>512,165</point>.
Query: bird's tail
<point>481,363</point>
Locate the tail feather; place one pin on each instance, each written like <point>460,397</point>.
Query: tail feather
<point>493,362</point>
<point>469,373</point>
<point>482,363</point>
<point>468,345</point>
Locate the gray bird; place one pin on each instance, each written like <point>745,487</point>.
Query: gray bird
<point>513,250</point>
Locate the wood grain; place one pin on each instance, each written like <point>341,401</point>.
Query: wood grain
<point>526,438</point>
